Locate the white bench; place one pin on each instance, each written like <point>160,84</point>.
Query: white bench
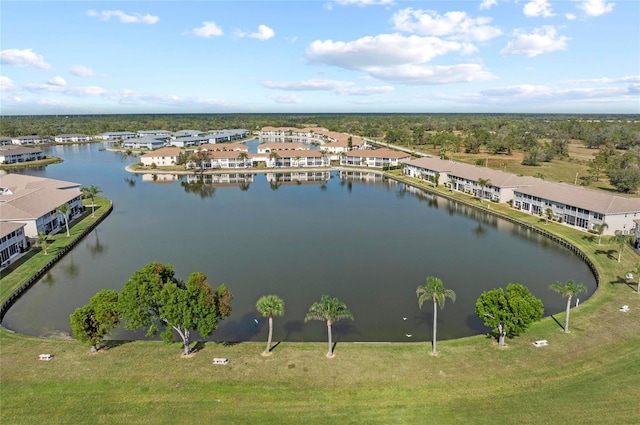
<point>220,360</point>
<point>541,343</point>
<point>45,357</point>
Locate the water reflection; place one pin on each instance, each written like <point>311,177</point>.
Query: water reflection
<point>317,234</point>
<point>161,178</point>
<point>96,248</point>
<point>198,187</point>
<point>131,181</point>
<point>70,269</point>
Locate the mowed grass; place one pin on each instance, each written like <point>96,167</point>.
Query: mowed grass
<point>19,271</point>
<point>586,376</point>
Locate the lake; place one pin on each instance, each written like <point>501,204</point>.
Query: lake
<point>367,240</point>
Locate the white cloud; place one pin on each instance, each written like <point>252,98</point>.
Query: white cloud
<point>542,40</point>
<point>37,88</point>
<point>207,29</point>
<point>24,57</point>
<point>263,33</point>
<point>82,71</point>
<point>124,18</point>
<point>536,8</point>
<point>570,16</point>
<point>87,91</point>
<point>487,4</point>
<point>606,80</point>
<point>595,7</point>
<point>335,86</point>
<point>599,92</point>
<point>429,75</point>
<point>57,81</point>
<point>6,85</point>
<point>381,50</point>
<point>455,25</point>
<point>285,98</point>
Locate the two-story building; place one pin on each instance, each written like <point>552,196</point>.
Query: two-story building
<point>34,201</point>
<point>13,154</point>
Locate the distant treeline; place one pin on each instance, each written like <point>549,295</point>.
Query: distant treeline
<point>594,130</point>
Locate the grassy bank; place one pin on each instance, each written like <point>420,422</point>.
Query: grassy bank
<point>20,270</point>
<point>586,376</point>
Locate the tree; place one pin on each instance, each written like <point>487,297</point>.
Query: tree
<point>434,290</point>
<point>269,306</point>
<point>273,156</point>
<point>42,241</point>
<point>243,156</point>
<point>568,290</point>
<point>483,183</point>
<point>625,180</point>
<point>153,296</point>
<point>508,313</point>
<point>92,322</point>
<point>91,192</point>
<point>549,214</point>
<point>621,240</point>
<point>330,310</point>
<point>599,229</point>
<point>64,210</point>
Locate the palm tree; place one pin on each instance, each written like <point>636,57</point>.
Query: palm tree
<point>599,229</point>
<point>243,156</point>
<point>434,289</point>
<point>91,192</point>
<point>620,239</point>
<point>269,306</point>
<point>273,156</point>
<point>42,241</point>
<point>549,213</point>
<point>64,211</point>
<point>330,310</point>
<point>568,290</point>
<point>483,183</point>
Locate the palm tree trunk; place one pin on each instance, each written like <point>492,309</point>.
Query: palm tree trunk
<point>330,352</point>
<point>66,224</point>
<point>270,334</point>
<point>566,319</point>
<point>93,207</point>
<point>435,320</point>
<point>637,290</point>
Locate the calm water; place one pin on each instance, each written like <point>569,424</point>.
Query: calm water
<point>368,242</point>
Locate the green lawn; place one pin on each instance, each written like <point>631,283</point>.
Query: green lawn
<point>586,376</point>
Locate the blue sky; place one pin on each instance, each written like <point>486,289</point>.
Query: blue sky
<point>335,56</point>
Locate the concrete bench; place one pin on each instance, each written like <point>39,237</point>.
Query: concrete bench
<point>220,360</point>
<point>541,343</point>
<point>45,357</point>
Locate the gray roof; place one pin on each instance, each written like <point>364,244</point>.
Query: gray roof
<point>33,197</point>
<point>472,172</point>
<point>7,227</point>
<point>581,197</point>
<point>17,150</point>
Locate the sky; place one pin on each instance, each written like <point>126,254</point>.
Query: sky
<point>325,56</point>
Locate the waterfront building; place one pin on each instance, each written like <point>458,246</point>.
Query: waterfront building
<point>12,241</point>
<point>13,154</point>
<point>33,201</point>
